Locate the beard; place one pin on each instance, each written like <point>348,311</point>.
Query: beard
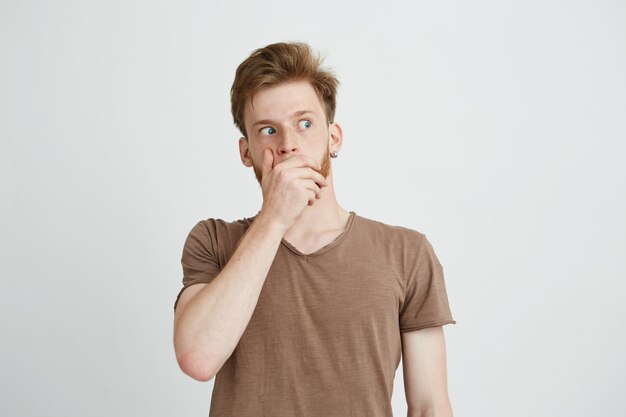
<point>324,170</point>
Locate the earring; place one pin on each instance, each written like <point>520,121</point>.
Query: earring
<point>333,154</point>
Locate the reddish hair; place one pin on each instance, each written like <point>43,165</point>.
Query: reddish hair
<point>279,63</point>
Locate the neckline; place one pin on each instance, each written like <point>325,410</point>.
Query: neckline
<point>326,248</point>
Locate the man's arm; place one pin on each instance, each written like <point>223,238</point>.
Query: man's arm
<point>425,373</point>
<point>211,318</point>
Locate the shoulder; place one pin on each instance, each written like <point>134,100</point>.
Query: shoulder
<point>215,232</point>
<point>218,227</point>
<point>215,238</point>
<point>390,233</point>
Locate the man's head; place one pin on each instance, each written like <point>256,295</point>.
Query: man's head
<point>279,63</point>
<point>271,86</point>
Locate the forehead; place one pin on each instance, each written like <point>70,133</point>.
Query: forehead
<point>280,101</point>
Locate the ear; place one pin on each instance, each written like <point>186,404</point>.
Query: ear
<point>335,137</point>
<point>244,152</point>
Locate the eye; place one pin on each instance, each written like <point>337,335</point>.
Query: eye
<point>269,133</point>
<point>307,124</point>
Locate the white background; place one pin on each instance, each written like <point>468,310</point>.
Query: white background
<point>496,128</point>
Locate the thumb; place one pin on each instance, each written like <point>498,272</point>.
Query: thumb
<point>268,161</point>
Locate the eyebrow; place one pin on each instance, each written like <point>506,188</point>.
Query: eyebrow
<point>298,113</point>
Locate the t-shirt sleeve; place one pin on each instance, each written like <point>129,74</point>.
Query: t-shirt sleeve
<point>426,300</point>
<point>199,259</point>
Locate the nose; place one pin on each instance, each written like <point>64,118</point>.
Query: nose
<point>288,143</point>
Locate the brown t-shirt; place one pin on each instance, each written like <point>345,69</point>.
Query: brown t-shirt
<point>324,338</point>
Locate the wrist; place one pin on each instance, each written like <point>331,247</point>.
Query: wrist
<point>270,224</point>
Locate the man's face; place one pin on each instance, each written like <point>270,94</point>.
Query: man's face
<point>289,120</point>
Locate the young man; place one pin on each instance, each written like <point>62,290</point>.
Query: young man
<point>305,308</point>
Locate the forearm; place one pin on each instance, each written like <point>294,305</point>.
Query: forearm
<point>441,410</point>
<point>211,325</point>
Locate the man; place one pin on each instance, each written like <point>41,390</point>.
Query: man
<point>305,308</point>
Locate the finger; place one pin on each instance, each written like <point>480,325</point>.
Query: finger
<point>308,173</point>
<point>312,198</point>
<point>312,186</point>
<point>298,161</point>
<point>268,162</point>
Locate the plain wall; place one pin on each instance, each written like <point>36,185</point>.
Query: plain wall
<point>496,128</point>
